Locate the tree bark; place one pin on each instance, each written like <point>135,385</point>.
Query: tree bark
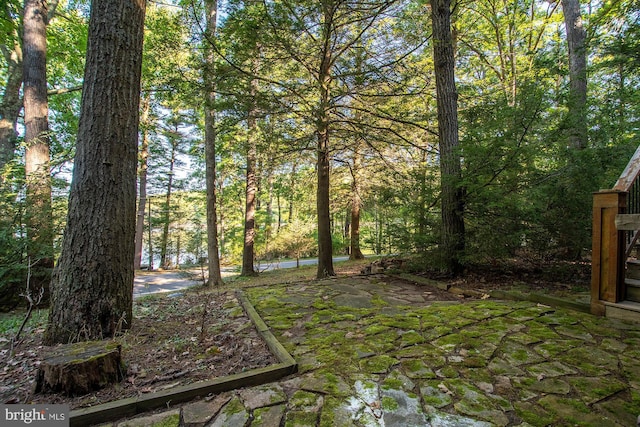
<point>39,217</point>
<point>248,250</point>
<point>292,188</point>
<point>268,227</point>
<point>215,277</point>
<point>142,184</point>
<point>452,193</point>
<point>92,286</point>
<point>325,244</point>
<point>576,36</point>
<point>356,205</point>
<point>11,104</point>
<point>164,241</point>
<point>150,238</point>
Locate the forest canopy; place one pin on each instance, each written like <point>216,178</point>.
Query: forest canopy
<point>326,130</point>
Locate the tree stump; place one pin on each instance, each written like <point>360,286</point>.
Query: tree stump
<point>77,369</point>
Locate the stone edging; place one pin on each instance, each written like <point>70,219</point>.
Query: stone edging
<point>499,294</point>
<point>132,406</point>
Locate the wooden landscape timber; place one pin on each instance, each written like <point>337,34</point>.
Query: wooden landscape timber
<point>136,405</point>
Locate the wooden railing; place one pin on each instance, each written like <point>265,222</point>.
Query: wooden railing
<point>629,182</point>
<point>616,225</point>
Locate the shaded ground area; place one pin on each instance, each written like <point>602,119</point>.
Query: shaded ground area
<point>175,340</point>
<point>560,278</point>
<point>382,351</point>
<point>499,362</point>
<point>379,351</point>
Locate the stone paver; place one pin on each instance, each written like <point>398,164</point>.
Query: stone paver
<point>378,351</point>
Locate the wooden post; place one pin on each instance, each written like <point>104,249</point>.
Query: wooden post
<point>607,258</point>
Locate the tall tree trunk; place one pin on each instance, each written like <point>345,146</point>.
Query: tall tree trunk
<point>346,229</point>
<point>356,205</point>
<point>150,239</point>
<point>576,36</point>
<point>572,239</point>
<point>278,200</point>
<point>221,214</point>
<point>164,241</point>
<point>215,277</point>
<point>248,251</point>
<point>422,199</point>
<point>92,286</point>
<point>325,244</point>
<point>39,216</point>
<point>178,249</point>
<point>292,187</point>
<point>452,193</point>
<point>11,104</point>
<point>142,182</point>
<point>356,198</point>
<point>268,227</point>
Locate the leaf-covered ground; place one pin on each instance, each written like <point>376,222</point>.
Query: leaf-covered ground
<point>175,340</point>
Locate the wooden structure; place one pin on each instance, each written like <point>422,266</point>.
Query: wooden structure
<point>615,273</point>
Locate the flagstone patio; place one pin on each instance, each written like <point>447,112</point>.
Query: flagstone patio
<point>381,351</point>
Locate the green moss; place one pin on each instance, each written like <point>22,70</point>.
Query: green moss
<point>323,316</point>
<point>234,406</point>
<point>400,322</point>
<point>596,388</point>
<point>268,301</point>
<point>448,342</point>
<point>322,304</point>
<point>633,407</point>
<point>520,355</point>
<point>474,362</point>
<point>378,364</point>
<point>389,404</point>
<point>411,338</point>
<point>328,414</point>
<point>377,301</point>
<point>533,414</point>
<point>375,329</point>
<point>236,312</point>
<point>413,365</point>
<point>449,372</point>
<point>300,419</point>
<point>170,421</point>
<point>392,384</point>
<point>303,399</point>
<point>554,348</point>
<point>477,375</point>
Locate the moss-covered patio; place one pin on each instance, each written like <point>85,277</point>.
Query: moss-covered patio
<point>381,351</point>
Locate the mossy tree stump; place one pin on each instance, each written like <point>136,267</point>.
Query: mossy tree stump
<point>77,369</point>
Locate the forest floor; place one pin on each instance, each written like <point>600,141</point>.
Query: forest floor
<point>175,340</point>
<point>199,334</point>
<point>558,278</point>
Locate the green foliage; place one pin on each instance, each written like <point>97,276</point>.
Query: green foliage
<point>294,240</point>
<point>10,322</point>
<point>13,269</point>
<point>524,188</point>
